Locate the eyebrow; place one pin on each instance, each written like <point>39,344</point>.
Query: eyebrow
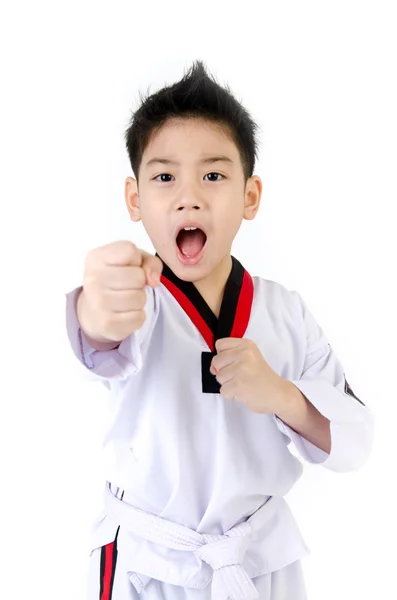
<point>203,161</point>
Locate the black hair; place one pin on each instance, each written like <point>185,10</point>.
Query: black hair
<point>196,95</point>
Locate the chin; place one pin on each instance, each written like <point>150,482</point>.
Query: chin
<point>189,273</point>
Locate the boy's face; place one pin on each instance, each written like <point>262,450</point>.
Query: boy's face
<point>182,185</point>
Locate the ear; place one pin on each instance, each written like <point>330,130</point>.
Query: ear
<point>132,199</point>
<point>253,193</point>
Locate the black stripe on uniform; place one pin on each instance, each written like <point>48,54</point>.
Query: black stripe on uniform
<point>103,566</point>
<point>114,564</point>
<point>102,571</point>
<point>349,391</point>
<point>230,301</point>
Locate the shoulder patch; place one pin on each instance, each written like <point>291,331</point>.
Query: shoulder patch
<point>349,391</point>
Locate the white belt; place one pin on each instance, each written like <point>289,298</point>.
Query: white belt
<point>223,553</point>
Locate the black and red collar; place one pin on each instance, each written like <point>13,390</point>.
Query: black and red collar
<point>235,308</point>
<point>233,318</point>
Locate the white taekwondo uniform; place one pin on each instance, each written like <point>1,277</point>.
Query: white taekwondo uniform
<point>194,504</point>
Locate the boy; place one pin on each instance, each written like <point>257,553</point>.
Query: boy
<point>211,373</point>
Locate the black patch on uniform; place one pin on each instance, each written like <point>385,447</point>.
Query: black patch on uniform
<point>349,391</point>
<point>209,382</point>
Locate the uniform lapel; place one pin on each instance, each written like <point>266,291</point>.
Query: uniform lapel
<point>234,314</point>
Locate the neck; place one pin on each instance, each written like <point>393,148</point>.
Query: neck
<point>212,287</point>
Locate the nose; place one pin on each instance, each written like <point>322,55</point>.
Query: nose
<point>189,198</point>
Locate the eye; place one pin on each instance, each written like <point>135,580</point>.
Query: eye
<point>216,174</point>
<point>163,180</point>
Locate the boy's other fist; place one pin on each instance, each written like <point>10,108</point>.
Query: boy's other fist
<point>111,304</point>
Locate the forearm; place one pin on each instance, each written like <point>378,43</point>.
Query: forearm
<point>295,410</point>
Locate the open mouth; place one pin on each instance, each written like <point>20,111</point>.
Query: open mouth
<point>191,242</point>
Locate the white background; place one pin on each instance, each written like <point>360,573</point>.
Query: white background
<point>320,78</point>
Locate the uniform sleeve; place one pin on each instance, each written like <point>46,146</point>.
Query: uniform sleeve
<point>116,364</point>
<point>324,384</point>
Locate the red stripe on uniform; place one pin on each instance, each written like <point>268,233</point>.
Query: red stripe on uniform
<point>107,576</point>
<point>244,305</point>
<point>191,311</point>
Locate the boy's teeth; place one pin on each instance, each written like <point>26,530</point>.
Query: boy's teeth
<point>190,228</point>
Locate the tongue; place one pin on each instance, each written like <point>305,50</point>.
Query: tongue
<point>191,242</point>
